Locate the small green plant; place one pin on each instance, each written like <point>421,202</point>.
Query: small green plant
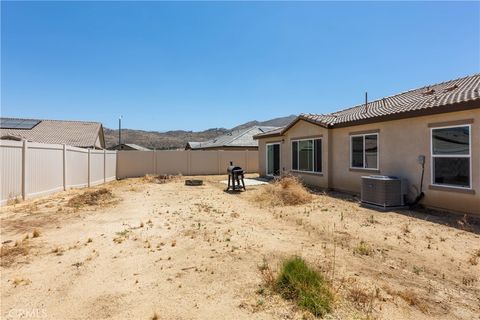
<point>417,270</point>
<point>363,249</point>
<point>123,233</point>
<point>371,220</point>
<point>298,281</point>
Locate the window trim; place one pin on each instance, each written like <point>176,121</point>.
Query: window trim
<point>313,155</point>
<point>432,156</point>
<point>378,151</point>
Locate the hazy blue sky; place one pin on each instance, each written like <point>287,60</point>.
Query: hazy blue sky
<point>194,66</point>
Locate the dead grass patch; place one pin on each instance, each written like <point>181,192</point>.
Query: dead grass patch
<point>97,197</point>
<point>161,178</point>
<point>363,249</point>
<point>35,233</point>
<point>287,191</point>
<point>473,260</point>
<point>9,254</point>
<point>13,201</point>
<point>26,208</point>
<point>411,297</point>
<point>21,282</point>
<point>363,298</point>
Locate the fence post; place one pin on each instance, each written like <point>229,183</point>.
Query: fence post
<point>88,169</point>
<point>154,161</point>
<point>64,167</point>
<point>104,165</point>
<point>24,169</point>
<point>188,162</point>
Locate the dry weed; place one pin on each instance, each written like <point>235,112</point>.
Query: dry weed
<point>410,297</point>
<point>363,249</point>
<point>474,257</point>
<point>13,201</point>
<point>8,254</point>
<point>287,191</point>
<point>162,178</point>
<point>363,298</point>
<point>35,233</point>
<point>21,282</point>
<point>91,198</point>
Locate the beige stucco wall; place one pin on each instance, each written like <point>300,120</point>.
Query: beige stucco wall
<point>300,130</point>
<point>400,144</point>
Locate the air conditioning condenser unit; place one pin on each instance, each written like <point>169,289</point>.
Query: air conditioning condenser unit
<point>383,191</point>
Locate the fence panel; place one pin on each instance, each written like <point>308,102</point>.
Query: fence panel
<point>203,162</point>
<point>110,165</point>
<point>185,162</point>
<point>44,169</point>
<point>77,167</point>
<point>11,170</point>
<point>31,169</point>
<point>135,163</point>
<point>97,165</point>
<point>239,158</point>
<point>172,162</point>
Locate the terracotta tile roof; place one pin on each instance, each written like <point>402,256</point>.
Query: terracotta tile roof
<point>432,98</point>
<point>73,133</point>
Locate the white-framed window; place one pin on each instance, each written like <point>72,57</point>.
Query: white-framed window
<point>307,155</point>
<point>451,156</point>
<point>364,151</point>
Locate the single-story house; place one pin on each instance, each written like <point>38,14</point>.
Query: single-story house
<point>235,140</point>
<point>129,147</point>
<point>80,134</point>
<point>437,125</point>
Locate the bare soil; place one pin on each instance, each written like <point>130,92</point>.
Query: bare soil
<point>182,252</point>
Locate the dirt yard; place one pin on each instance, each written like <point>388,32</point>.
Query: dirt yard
<point>170,251</point>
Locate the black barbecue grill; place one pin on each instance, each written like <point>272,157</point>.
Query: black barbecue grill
<point>236,175</point>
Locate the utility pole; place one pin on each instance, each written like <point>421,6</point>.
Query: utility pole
<point>366,102</point>
<point>119,131</point>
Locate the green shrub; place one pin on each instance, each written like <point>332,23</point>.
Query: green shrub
<point>297,281</point>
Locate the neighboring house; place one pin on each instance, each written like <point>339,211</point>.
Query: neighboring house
<point>389,136</point>
<point>235,140</point>
<point>129,147</point>
<point>74,133</point>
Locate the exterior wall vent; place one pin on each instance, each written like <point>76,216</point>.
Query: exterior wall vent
<point>383,191</point>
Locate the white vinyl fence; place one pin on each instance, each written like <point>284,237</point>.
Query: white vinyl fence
<point>30,169</point>
<point>185,162</point>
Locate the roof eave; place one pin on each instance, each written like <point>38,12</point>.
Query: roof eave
<point>290,125</point>
<point>461,106</point>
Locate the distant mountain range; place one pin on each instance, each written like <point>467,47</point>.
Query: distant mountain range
<point>179,138</point>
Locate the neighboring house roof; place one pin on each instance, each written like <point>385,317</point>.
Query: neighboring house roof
<point>130,146</point>
<point>447,96</point>
<point>74,133</point>
<point>234,139</point>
